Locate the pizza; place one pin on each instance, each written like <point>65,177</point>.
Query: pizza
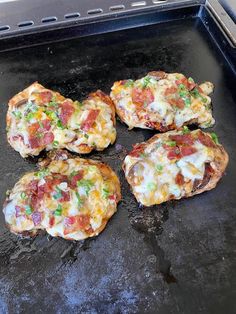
<point>72,198</point>
<point>174,165</point>
<point>39,119</point>
<point>163,102</point>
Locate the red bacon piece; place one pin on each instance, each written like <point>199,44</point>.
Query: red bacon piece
<point>206,140</point>
<point>74,179</point>
<point>187,150</point>
<point>142,96</point>
<point>89,121</point>
<point>67,110</point>
<point>179,179</point>
<point>182,139</point>
<point>46,96</point>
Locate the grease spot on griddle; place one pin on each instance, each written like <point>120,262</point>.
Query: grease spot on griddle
<point>149,221</point>
<point>70,254</point>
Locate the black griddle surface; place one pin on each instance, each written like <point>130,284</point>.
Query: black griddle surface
<point>176,258</point>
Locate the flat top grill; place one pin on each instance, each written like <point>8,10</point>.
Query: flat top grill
<point>178,257</point>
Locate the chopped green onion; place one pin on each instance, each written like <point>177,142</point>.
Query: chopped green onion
<point>23,195</point>
<point>42,173</point>
<point>55,143</point>
<point>185,130</point>
<point>60,125</point>
<point>58,211</point>
<point>78,103</point>
<point>86,185</point>
<point>151,186</point>
<point>28,210</point>
<point>78,198</point>
<point>51,114</point>
<point>190,80</point>
<point>41,124</point>
<point>171,143</point>
<point>159,168</point>
<point>53,102</point>
<point>17,114</point>
<point>73,173</point>
<point>29,116</point>
<point>105,193</point>
<point>182,86</point>
<point>187,102</point>
<point>58,195</point>
<point>215,138</point>
<point>86,135</point>
<point>129,83</point>
<point>146,81</point>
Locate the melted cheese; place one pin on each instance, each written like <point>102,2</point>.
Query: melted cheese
<point>99,136</point>
<point>153,176</point>
<point>89,198</point>
<point>161,110</point>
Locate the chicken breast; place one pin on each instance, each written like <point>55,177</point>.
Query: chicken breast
<point>163,102</point>
<point>39,119</point>
<point>72,198</point>
<point>174,165</point>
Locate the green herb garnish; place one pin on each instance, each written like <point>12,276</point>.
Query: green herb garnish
<point>105,193</point>
<point>29,116</point>
<point>28,210</point>
<point>60,125</point>
<point>17,114</point>
<point>171,143</point>
<point>55,143</point>
<point>86,135</point>
<point>129,83</point>
<point>58,211</point>
<point>185,130</point>
<point>159,168</point>
<point>146,81</point>
<point>215,138</point>
<point>42,173</point>
<point>78,103</point>
<point>151,186</point>
<point>23,195</point>
<point>78,198</point>
<point>86,185</point>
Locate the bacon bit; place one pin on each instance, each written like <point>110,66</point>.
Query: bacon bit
<point>46,125</point>
<point>137,150</point>
<point>179,179</point>
<point>46,96</point>
<point>89,121</point>
<point>76,178</point>
<point>70,220</point>
<point>67,110</point>
<point>177,102</point>
<point>37,218</point>
<point>182,139</point>
<point>65,196</point>
<point>112,197</point>
<point>76,223</point>
<point>170,90</point>
<point>142,96</point>
<point>186,83</point>
<point>33,128</point>
<point>18,210</point>
<point>48,138</point>
<point>34,142</point>
<point>206,140</point>
<point>187,150</point>
<point>174,153</point>
<point>52,221</point>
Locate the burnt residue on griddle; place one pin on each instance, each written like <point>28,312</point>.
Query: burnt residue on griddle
<point>149,221</point>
